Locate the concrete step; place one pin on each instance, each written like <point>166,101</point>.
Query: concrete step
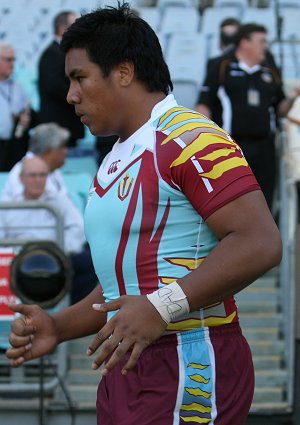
<point>267,362</point>
<point>263,395</point>
<point>266,348</point>
<point>257,306</point>
<point>267,333</point>
<point>83,377</point>
<point>254,292</point>
<point>263,282</point>
<point>270,378</point>
<point>79,393</point>
<point>260,319</point>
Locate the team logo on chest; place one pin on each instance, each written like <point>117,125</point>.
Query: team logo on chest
<point>124,187</point>
<point>113,167</point>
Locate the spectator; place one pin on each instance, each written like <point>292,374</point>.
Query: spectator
<point>47,141</point>
<point>53,84</point>
<point>228,30</point>
<point>251,96</point>
<point>40,224</point>
<point>16,116</point>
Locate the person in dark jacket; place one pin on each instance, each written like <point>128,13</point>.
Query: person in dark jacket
<point>53,84</point>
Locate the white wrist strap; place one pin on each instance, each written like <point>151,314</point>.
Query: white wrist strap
<point>170,301</point>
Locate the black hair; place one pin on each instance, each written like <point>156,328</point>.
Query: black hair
<point>112,35</point>
<point>230,21</point>
<point>245,32</point>
<point>226,38</point>
<point>61,19</point>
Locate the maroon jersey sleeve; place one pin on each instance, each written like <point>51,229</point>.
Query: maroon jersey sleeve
<point>201,160</point>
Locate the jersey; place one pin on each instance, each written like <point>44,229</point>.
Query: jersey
<point>146,211</point>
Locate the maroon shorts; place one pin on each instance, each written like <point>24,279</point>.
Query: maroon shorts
<point>203,376</point>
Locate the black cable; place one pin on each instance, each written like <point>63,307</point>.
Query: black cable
<point>70,403</point>
<point>72,409</point>
<point>41,395</point>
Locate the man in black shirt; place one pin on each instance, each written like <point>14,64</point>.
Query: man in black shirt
<point>251,96</point>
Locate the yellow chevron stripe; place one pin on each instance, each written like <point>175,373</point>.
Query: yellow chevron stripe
<point>185,116</point>
<point>167,280</point>
<point>221,168</point>
<point>199,144</point>
<point>219,153</point>
<point>170,112</point>
<point>190,324</point>
<point>198,366</point>
<point>189,126</point>
<point>197,392</point>
<point>195,419</point>
<point>189,263</point>
<point>197,407</point>
<point>199,378</point>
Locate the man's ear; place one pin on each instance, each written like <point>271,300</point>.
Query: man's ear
<point>125,73</point>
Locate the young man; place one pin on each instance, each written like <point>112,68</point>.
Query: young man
<point>176,223</point>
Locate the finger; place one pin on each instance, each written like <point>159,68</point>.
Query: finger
<point>100,337</point>
<point>21,308</point>
<point>108,306</point>
<point>135,355</point>
<point>119,352</point>
<point>107,349</point>
<point>19,341</point>
<point>16,353</point>
<point>20,327</point>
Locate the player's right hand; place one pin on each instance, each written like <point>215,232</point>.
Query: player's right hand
<point>32,335</point>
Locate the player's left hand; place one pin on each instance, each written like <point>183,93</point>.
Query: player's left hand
<point>135,326</point>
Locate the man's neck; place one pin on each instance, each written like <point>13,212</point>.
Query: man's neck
<point>242,57</point>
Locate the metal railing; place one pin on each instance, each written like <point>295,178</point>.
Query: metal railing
<point>288,216</point>
<point>26,379</point>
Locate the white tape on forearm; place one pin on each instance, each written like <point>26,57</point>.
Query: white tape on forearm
<point>170,301</point>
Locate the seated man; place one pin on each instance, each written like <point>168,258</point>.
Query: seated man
<point>49,142</point>
<point>40,223</point>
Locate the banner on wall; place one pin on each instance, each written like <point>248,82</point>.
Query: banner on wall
<point>6,295</point>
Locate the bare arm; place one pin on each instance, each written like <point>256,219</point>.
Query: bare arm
<point>80,319</point>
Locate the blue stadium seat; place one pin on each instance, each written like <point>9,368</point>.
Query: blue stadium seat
<point>80,160</point>
<point>78,185</point>
<point>3,177</point>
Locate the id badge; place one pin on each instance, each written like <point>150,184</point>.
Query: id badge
<point>253,97</point>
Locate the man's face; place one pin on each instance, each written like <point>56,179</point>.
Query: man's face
<point>56,157</point>
<point>96,99</point>
<point>257,46</point>
<point>33,177</point>
<point>7,60</point>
